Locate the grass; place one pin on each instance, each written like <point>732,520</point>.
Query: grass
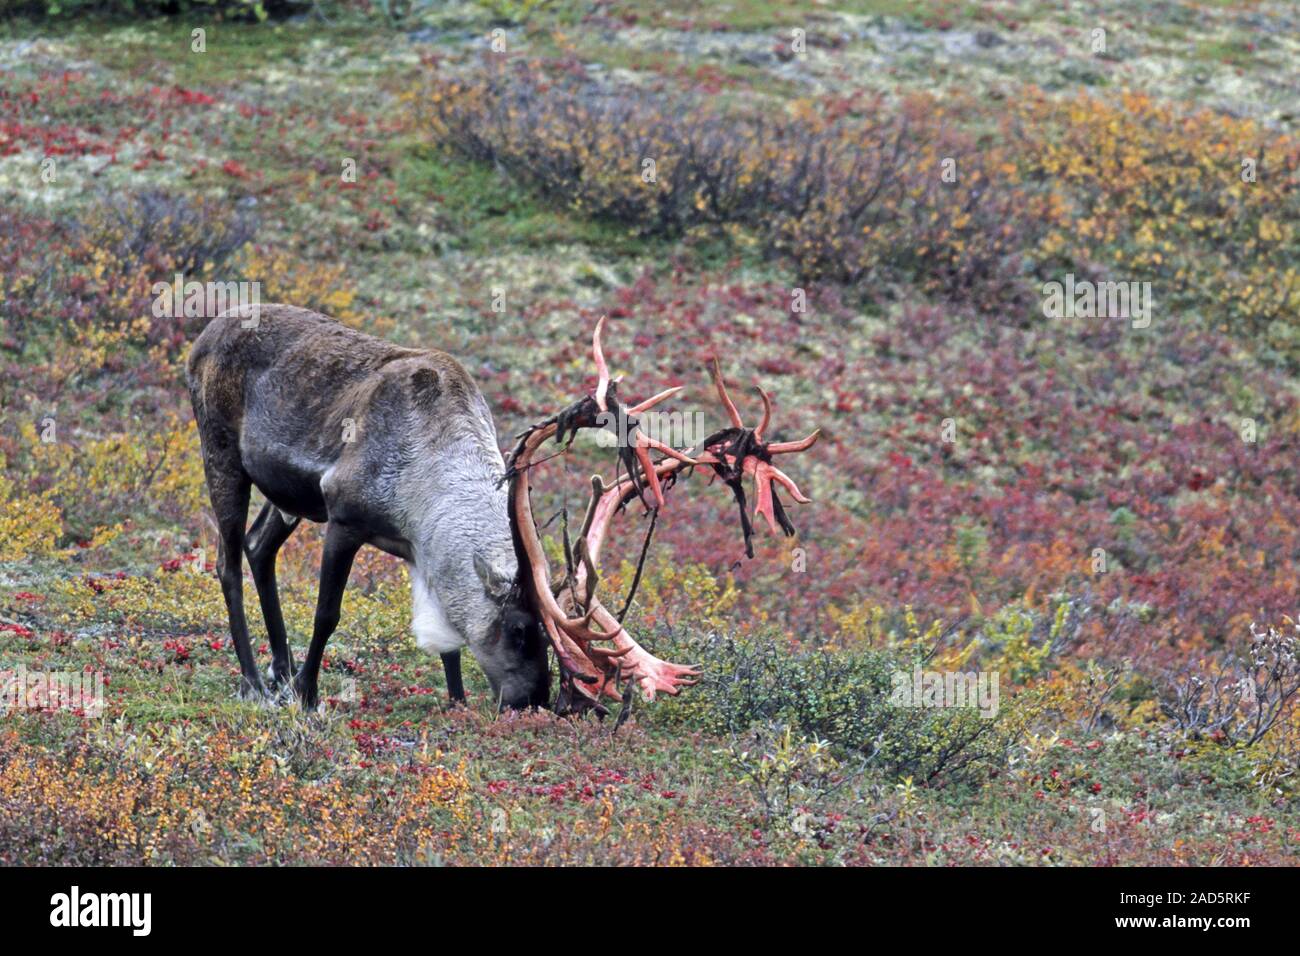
<point>484,210</point>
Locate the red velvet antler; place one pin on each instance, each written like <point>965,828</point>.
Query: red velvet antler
<point>642,443</point>
<point>742,451</point>
<point>574,618</point>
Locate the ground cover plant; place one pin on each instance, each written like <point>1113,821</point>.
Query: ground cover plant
<point>864,204</point>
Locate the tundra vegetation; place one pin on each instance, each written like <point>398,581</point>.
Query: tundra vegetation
<point>1106,517</point>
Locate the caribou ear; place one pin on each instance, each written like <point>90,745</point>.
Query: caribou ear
<point>496,581</point>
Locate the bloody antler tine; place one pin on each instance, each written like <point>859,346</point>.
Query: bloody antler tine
<point>668,450</point>
<point>567,660</point>
<point>715,371</point>
<point>788,484</point>
<point>655,400</point>
<point>648,469</point>
<point>602,369</point>
<point>789,447</point>
<point>763,495</point>
<point>643,443</point>
<point>608,653</point>
<point>767,413</point>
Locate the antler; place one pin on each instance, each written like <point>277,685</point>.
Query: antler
<point>587,671</point>
<point>741,451</point>
<point>575,620</point>
<point>641,442</point>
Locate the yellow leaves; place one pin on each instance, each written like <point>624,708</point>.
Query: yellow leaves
<point>30,525</point>
<point>285,277</point>
<point>1269,231</point>
<point>668,590</point>
<point>864,624</point>
<point>441,785</point>
<point>90,481</point>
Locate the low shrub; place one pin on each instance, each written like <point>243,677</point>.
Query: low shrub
<point>1241,700</point>
<point>870,193</point>
<point>842,697</point>
<point>857,195</point>
<point>100,268</point>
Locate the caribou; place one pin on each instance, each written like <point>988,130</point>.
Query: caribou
<point>396,448</point>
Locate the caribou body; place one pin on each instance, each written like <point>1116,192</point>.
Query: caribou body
<point>388,446</point>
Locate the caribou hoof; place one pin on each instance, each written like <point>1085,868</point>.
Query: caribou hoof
<point>254,691</point>
<point>277,682</point>
<point>308,697</point>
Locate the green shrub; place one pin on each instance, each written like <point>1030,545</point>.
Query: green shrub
<point>783,773</point>
<point>840,696</point>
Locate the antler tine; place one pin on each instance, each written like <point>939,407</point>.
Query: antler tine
<point>592,579</point>
<point>785,481</point>
<point>715,370</point>
<point>597,492</point>
<point>789,447</point>
<point>767,412</point>
<point>641,450</point>
<point>570,661</point>
<point>602,369</point>
<point>763,502</point>
<point>648,470</point>
<point>655,400</point>
<point>668,450</point>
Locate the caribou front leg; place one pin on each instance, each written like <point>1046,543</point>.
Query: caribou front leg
<point>451,668</point>
<point>341,545</point>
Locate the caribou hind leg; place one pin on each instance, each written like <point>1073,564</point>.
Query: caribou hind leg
<point>270,530</point>
<point>228,489</point>
<point>341,545</point>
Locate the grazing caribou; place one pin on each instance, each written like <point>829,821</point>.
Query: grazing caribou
<point>395,447</point>
<point>388,446</point>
